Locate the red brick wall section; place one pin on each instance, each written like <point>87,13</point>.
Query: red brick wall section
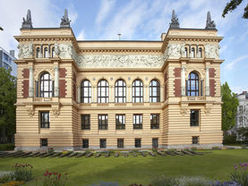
<point>62,88</point>
<point>177,89</point>
<point>177,72</point>
<point>177,82</point>
<point>212,87</point>
<point>212,72</point>
<point>25,73</point>
<point>25,87</point>
<point>62,72</point>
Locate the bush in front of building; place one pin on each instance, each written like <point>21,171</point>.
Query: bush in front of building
<point>7,147</point>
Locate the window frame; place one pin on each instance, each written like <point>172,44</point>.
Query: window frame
<point>157,90</point>
<point>86,88</point>
<point>195,122</point>
<point>41,142</point>
<point>87,144</point>
<point>137,143</point>
<point>102,126</point>
<point>103,141</point>
<point>120,88</point>
<point>138,121</point>
<point>102,88</point>
<point>153,140</point>
<point>121,117</point>
<point>43,90</point>
<point>84,119</point>
<point>44,124</point>
<point>195,140</point>
<point>157,123</point>
<point>193,84</point>
<point>120,143</point>
<point>137,91</point>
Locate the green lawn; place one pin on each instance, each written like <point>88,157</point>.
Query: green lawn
<point>125,170</point>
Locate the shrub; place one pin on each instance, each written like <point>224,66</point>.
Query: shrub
<point>229,139</point>
<point>54,179</point>
<point>194,181</point>
<point>6,177</point>
<point>23,172</point>
<point>240,174</point>
<point>7,147</point>
<point>165,181</point>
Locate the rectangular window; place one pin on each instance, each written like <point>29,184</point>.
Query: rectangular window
<point>154,118</point>
<point>137,121</point>
<point>120,143</point>
<point>137,142</point>
<point>85,143</point>
<point>195,139</point>
<point>102,121</point>
<point>85,121</point>
<point>120,121</point>
<point>44,120</point>
<point>194,117</point>
<point>155,143</point>
<point>43,142</point>
<point>103,143</point>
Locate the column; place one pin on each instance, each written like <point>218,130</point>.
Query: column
<point>56,82</point>
<point>207,82</point>
<point>31,83</point>
<point>183,81</point>
<point>78,94</point>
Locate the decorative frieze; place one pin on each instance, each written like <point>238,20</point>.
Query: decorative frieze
<point>25,50</point>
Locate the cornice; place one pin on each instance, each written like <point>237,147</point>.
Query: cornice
<point>119,69</point>
<point>113,50</point>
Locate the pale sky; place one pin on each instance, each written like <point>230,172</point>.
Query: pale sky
<point>136,20</point>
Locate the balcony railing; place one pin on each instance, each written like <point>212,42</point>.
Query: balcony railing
<point>137,126</point>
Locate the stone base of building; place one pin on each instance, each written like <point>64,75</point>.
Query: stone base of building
<point>198,146</point>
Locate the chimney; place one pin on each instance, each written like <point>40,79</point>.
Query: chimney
<point>12,53</point>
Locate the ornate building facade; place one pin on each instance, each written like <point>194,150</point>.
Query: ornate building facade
<point>118,94</point>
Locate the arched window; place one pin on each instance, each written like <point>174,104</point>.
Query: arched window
<point>37,52</point>
<point>120,91</point>
<point>46,52</point>
<point>154,91</point>
<point>102,91</point>
<point>192,52</point>
<point>200,52</point>
<point>53,52</point>
<point>85,91</point>
<point>193,84</point>
<point>186,52</point>
<point>137,91</point>
<point>46,85</point>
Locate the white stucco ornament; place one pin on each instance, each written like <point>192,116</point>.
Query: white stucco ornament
<point>64,51</point>
<point>25,51</point>
<point>120,60</point>
<point>174,51</point>
<point>212,51</point>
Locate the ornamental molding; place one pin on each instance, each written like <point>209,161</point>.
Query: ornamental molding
<point>38,71</point>
<point>212,51</point>
<point>25,50</point>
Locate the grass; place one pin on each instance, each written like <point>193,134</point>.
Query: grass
<point>217,164</point>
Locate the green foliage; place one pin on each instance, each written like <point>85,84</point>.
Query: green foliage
<point>229,139</point>
<point>232,5</point>
<point>6,147</point>
<point>6,177</point>
<point>240,174</point>
<point>7,101</point>
<point>243,134</point>
<point>23,172</point>
<point>229,107</point>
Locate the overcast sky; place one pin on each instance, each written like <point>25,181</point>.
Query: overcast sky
<point>138,20</point>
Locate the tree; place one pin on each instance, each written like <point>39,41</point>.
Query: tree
<point>229,107</point>
<point>7,107</point>
<point>232,5</point>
